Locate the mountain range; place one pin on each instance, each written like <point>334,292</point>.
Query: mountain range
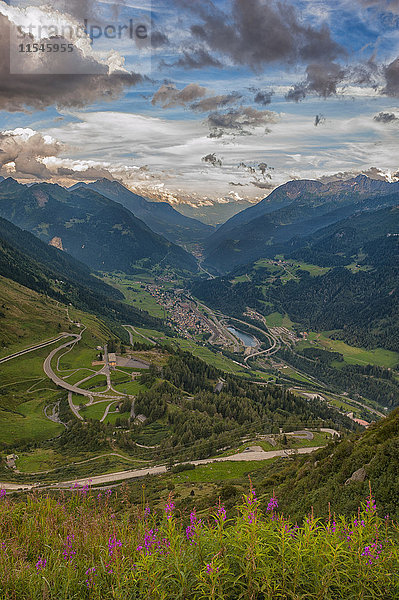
<point>293,211</point>
<point>92,228</point>
<point>161,217</point>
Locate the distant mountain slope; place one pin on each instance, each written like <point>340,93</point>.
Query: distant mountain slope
<point>62,278</point>
<point>344,241</point>
<point>303,208</point>
<point>53,259</point>
<point>94,229</point>
<point>161,217</point>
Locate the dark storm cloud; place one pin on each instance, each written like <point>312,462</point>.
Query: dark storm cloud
<point>262,97</point>
<point>321,79</point>
<point>18,92</point>
<point>384,117</point>
<point>212,159</point>
<point>238,121</point>
<point>259,32</point>
<point>194,58</point>
<point>391,73</point>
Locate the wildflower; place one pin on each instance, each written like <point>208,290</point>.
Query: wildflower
<point>147,511</point>
<point>169,508</point>
<point>371,505</point>
<point>211,569</point>
<point>372,552</point>
<point>3,493</point>
<point>112,544</point>
<point>332,528</point>
<point>251,517</point>
<point>69,552</point>
<point>221,512</point>
<point>108,493</point>
<point>195,523</point>
<point>90,574</point>
<point>41,564</point>
<point>273,504</point>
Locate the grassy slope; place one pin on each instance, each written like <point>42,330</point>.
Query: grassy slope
<point>24,389</point>
<point>29,318</point>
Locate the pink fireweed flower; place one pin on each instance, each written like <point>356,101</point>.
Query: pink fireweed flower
<point>221,513</point>
<point>211,569</point>
<point>147,511</point>
<point>371,505</point>
<point>3,493</point>
<point>372,552</point>
<point>112,544</point>
<point>169,508</point>
<point>41,564</point>
<point>195,524</point>
<point>69,552</point>
<point>90,574</point>
<point>273,504</point>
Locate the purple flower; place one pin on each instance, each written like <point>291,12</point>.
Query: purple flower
<point>211,569</point>
<point>69,551</point>
<point>41,564</point>
<point>147,511</point>
<point>3,493</point>
<point>90,573</point>
<point>169,508</point>
<point>221,512</point>
<point>371,505</point>
<point>273,504</point>
<point>372,552</point>
<point>112,544</point>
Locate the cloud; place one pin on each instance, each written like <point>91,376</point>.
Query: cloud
<point>169,96</point>
<point>319,120</point>
<point>194,58</point>
<point>216,102</point>
<point>76,80</point>
<point>262,97</point>
<point>239,121</point>
<point>23,151</point>
<point>384,117</point>
<point>212,159</point>
<point>391,73</point>
<point>264,185</point>
<point>321,79</point>
<point>259,32</point>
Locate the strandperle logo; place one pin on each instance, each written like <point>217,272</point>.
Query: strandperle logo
<point>57,37</point>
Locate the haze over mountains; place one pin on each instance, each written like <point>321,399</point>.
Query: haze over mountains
<point>161,217</point>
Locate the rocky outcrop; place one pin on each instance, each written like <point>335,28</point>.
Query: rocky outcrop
<point>358,476</point>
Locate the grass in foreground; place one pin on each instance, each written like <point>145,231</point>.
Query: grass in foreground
<point>84,545</point>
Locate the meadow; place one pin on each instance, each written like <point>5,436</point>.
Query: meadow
<point>93,544</point>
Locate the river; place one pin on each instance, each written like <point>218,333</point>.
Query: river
<point>246,339</point>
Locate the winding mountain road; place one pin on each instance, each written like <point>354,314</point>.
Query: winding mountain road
<point>37,347</point>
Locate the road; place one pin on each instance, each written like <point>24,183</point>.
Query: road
<point>37,347</point>
<point>162,469</point>
<point>128,327</point>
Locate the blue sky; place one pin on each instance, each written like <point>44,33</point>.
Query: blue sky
<point>309,88</point>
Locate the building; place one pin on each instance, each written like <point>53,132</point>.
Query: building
<point>112,360</point>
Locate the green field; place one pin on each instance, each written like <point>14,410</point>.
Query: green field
<point>221,471</point>
<point>352,355</point>
<point>276,319</point>
<point>28,318</point>
<point>136,295</point>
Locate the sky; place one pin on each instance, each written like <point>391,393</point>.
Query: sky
<point>199,102</point>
